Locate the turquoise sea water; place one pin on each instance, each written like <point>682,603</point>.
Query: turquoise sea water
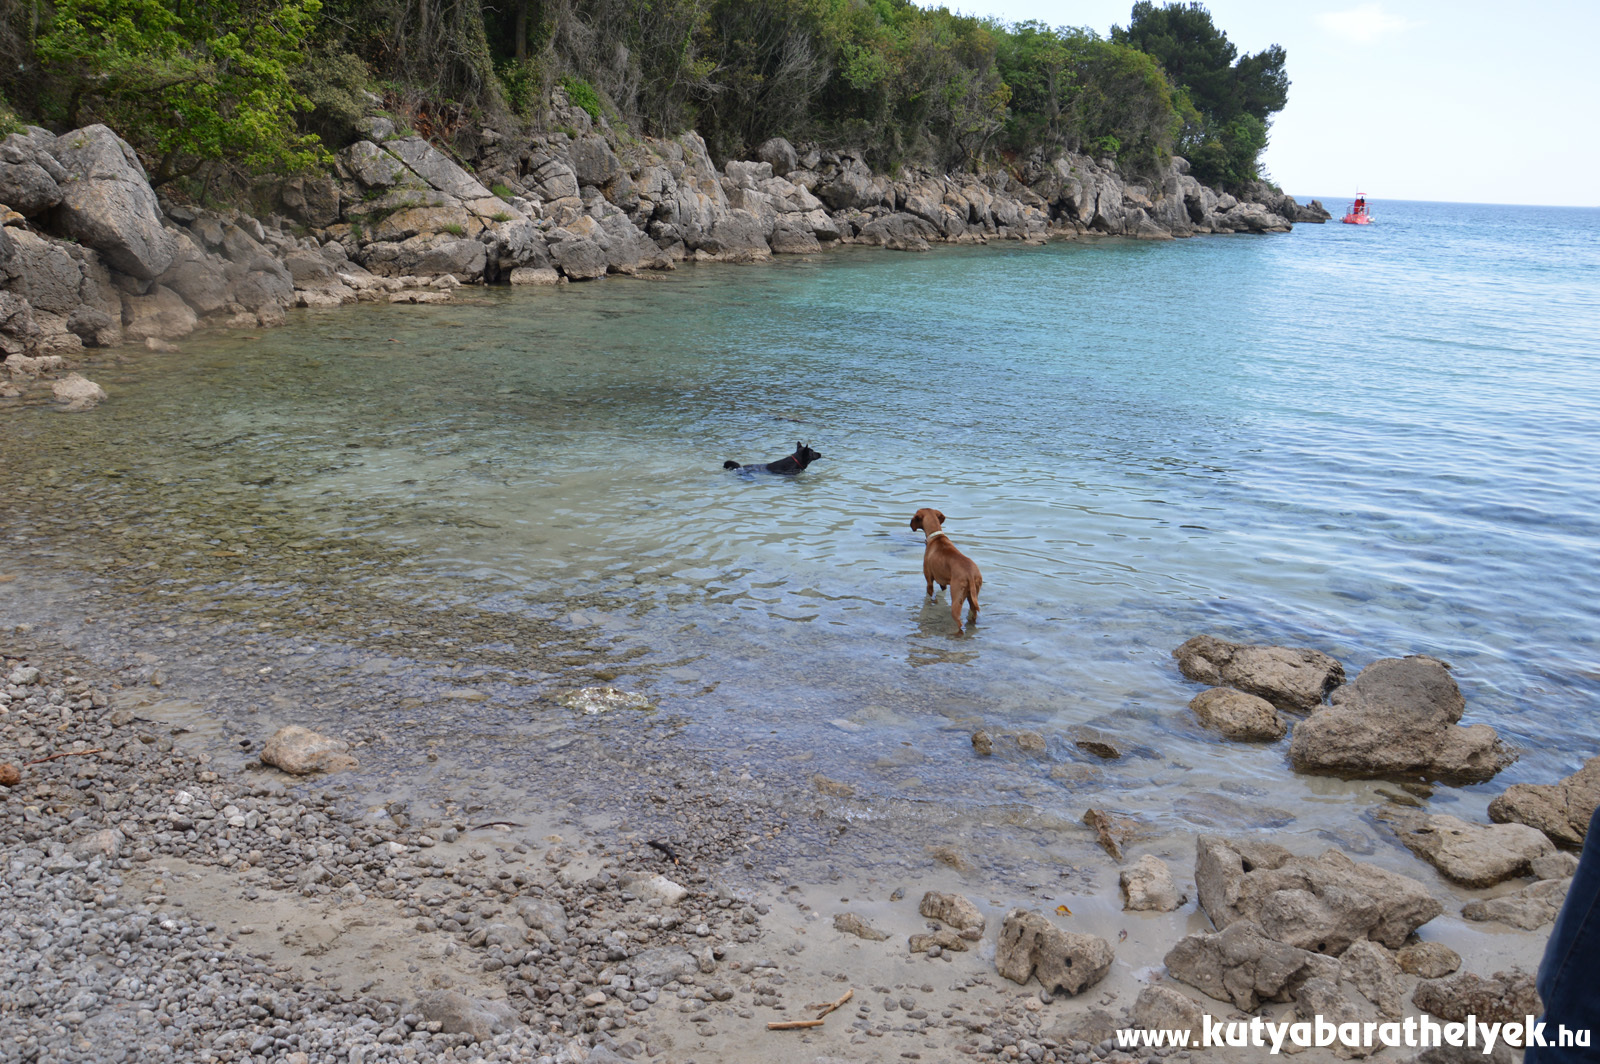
<point>1376,441</point>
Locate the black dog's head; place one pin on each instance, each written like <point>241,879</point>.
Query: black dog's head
<point>803,455</point>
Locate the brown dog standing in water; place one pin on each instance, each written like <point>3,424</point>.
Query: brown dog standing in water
<point>946,566</point>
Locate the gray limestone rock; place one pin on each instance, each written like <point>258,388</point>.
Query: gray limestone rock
<point>1239,715</point>
<point>1561,810</point>
<point>107,203</point>
<point>1242,965</point>
<point>1397,718</point>
<point>1321,903</point>
<point>1149,886</point>
<point>436,168</point>
<point>1295,679</point>
<point>1474,855</point>
<point>300,751</point>
<point>778,154</point>
<point>1506,997</point>
<point>1065,961</point>
<point>1530,908</point>
<point>458,1014</point>
<point>954,910</point>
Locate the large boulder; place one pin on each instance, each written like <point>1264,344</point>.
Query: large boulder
<point>196,276</point>
<point>1295,679</point>
<point>550,178</point>
<point>29,174</point>
<point>44,274</point>
<point>778,154</point>
<point>1065,961</point>
<point>1561,810</point>
<point>899,232</point>
<point>107,203</point>
<point>1474,855</point>
<point>160,315</point>
<point>1374,973</point>
<point>370,165</point>
<point>1323,904</point>
<point>593,161</point>
<point>580,259</point>
<point>1243,965</point>
<point>1238,715</point>
<point>312,201</point>
<point>1398,718</point>
<point>437,169</point>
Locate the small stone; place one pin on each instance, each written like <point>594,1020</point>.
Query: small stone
<point>852,924</point>
<point>1430,960</point>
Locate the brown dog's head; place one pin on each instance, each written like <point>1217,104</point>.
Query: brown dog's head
<point>927,520</point>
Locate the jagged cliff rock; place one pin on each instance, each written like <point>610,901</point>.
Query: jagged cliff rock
<point>90,256</point>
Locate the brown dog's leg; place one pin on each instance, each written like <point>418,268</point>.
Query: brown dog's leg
<point>958,591</point>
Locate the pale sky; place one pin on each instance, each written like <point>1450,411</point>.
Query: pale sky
<point>1457,100</point>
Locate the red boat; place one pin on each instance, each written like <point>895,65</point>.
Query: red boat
<point>1358,211</point>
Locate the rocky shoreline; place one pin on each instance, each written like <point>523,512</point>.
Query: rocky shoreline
<point>91,256</point>
<point>170,900</point>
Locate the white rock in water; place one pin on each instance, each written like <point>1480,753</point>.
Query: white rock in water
<point>603,699</point>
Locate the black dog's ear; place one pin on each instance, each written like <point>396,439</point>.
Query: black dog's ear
<point>916,522</point>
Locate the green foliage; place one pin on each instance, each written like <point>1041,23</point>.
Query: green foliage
<point>9,122</point>
<point>521,84</point>
<point>456,229</point>
<point>500,190</point>
<point>1228,99</point>
<point>333,85</point>
<point>583,95</point>
<point>187,83</point>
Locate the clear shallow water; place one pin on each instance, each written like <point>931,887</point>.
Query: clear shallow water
<point>1376,441</point>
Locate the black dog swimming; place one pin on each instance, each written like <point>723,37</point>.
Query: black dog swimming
<point>802,457</point>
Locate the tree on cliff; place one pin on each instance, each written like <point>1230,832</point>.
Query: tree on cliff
<point>1233,97</point>
<point>187,83</point>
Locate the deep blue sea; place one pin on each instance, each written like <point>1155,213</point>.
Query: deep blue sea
<point>1376,441</point>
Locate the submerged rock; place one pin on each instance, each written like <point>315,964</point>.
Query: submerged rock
<point>1398,718</point>
<point>1561,810</point>
<point>1238,715</point>
<point>593,700</point>
<point>1295,679</point>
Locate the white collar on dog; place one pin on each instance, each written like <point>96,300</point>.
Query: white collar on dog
<point>938,533</point>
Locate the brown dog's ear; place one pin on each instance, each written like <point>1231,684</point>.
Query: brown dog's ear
<point>940,516</point>
<point>916,521</point>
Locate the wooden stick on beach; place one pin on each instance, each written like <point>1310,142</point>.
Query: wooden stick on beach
<point>829,1006</point>
<point>790,1025</point>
